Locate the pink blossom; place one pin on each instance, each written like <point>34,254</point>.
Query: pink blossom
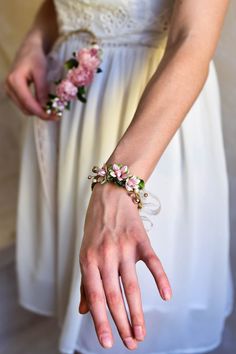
<point>101,172</point>
<point>89,58</point>
<point>80,76</point>
<point>132,183</point>
<point>119,173</point>
<point>66,91</point>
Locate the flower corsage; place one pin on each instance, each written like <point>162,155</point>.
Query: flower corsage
<point>119,174</point>
<point>81,69</point>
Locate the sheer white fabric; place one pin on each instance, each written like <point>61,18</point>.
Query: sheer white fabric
<point>190,235</point>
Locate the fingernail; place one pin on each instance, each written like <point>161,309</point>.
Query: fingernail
<point>166,293</point>
<point>138,332</point>
<point>106,340</point>
<point>130,343</point>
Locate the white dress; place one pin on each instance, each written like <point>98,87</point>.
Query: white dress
<point>191,233</point>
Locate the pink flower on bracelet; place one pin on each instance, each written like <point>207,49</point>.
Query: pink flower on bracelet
<point>119,172</point>
<point>132,183</point>
<point>81,70</point>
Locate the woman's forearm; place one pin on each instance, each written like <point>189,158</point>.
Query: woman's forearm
<point>44,29</point>
<point>165,102</point>
<point>30,64</point>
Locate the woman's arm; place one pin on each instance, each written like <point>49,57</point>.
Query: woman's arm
<point>175,85</point>
<point>114,235</point>
<point>44,28</point>
<point>30,64</point>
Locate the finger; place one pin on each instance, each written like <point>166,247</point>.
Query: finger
<point>97,304</point>
<point>115,301</point>
<point>83,306</point>
<point>153,263</point>
<point>28,100</point>
<point>42,90</point>
<point>41,86</point>
<point>133,295</point>
<point>21,90</point>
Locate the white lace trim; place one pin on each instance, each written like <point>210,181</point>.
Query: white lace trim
<point>107,18</point>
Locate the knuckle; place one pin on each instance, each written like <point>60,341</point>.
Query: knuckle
<point>126,247</point>
<point>131,288</point>
<point>152,258</point>
<point>137,319</point>
<point>94,298</point>
<point>133,230</point>
<point>113,297</point>
<point>87,257</point>
<point>11,79</point>
<point>122,244</point>
<point>106,250</point>
<point>103,327</point>
<point>127,237</point>
<point>144,247</point>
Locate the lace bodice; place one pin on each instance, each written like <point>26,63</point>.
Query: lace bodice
<point>115,18</point>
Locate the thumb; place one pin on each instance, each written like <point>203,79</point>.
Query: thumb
<point>41,86</point>
<point>83,306</point>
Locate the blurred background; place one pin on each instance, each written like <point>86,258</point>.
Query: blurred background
<point>22,332</point>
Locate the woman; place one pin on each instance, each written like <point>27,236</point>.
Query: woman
<point>157,69</point>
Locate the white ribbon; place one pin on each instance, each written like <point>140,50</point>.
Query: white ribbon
<point>151,206</point>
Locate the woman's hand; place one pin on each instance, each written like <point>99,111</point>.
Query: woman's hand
<point>114,240</point>
<point>29,66</point>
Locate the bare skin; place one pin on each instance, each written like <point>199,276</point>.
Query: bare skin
<point>30,65</point>
<point>113,244</point>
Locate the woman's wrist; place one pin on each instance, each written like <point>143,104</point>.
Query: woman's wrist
<point>44,30</point>
<point>111,192</point>
<point>138,165</point>
<point>110,189</point>
<point>33,39</point>
<point>119,175</point>
<point>36,38</point>
<point>136,168</point>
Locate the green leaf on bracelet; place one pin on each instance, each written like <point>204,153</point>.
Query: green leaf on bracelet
<point>120,183</point>
<point>141,184</point>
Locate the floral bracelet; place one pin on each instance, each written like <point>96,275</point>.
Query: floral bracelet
<point>119,174</point>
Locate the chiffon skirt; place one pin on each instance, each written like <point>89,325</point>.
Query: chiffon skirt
<point>190,235</point>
